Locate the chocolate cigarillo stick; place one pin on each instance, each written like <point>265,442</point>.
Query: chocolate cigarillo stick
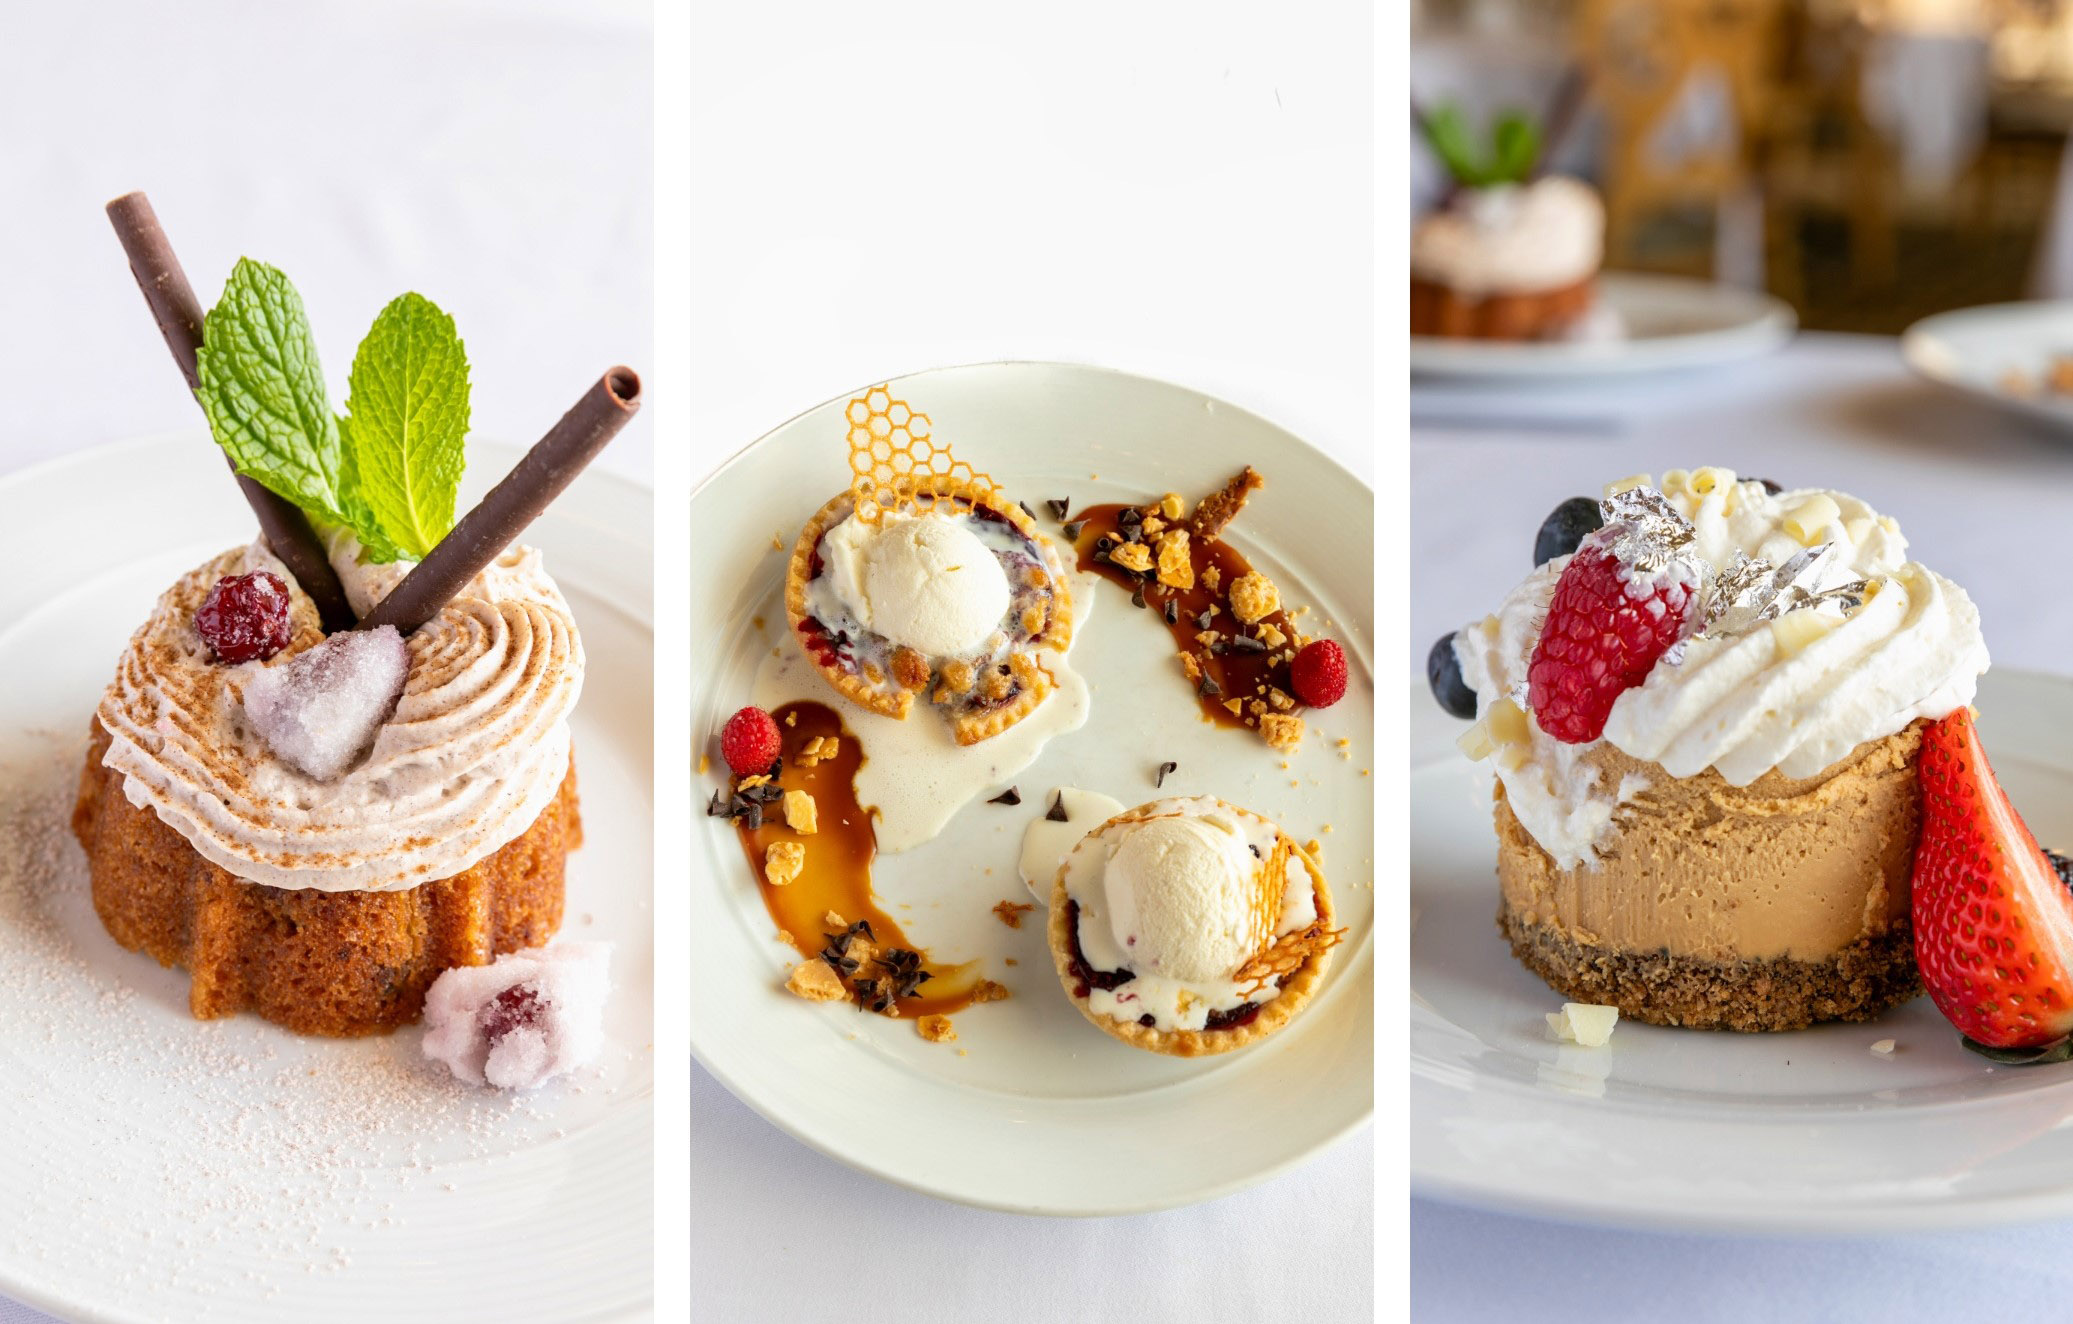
<point>173,305</point>
<point>1562,114</point>
<point>495,523</point>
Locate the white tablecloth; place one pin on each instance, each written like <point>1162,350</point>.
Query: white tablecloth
<point>1191,202</point>
<point>493,156</point>
<point>1983,498</point>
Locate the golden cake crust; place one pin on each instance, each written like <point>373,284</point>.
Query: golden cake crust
<point>1296,989</point>
<point>1771,906</point>
<point>1033,679</point>
<point>337,964</point>
<point>1441,310</point>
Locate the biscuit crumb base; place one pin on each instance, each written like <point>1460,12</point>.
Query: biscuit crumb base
<point>1863,980</point>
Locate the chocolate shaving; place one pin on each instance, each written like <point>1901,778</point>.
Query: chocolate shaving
<point>1056,813</point>
<point>1025,509</point>
<point>1137,596</point>
<point>717,806</point>
<point>1011,796</point>
<point>1168,766</point>
<point>179,316</point>
<point>1245,643</point>
<point>1071,532</point>
<point>484,532</point>
<point>1209,689</point>
<point>1059,506</point>
<point>1172,611</point>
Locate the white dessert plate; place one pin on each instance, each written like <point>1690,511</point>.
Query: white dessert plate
<point>1670,321</point>
<point>1033,1109</point>
<point>1974,349</point>
<point>1680,1129</point>
<point>158,1167</point>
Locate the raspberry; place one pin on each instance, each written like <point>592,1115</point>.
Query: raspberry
<point>245,617</point>
<point>1600,640</point>
<point>750,742</point>
<point>1318,673</point>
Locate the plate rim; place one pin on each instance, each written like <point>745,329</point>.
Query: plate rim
<point>879,1172</point>
<point>30,1293</point>
<point>1914,353</point>
<point>1582,1205</point>
<point>1773,325</point>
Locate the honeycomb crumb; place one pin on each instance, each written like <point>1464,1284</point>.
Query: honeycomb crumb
<point>988,991</point>
<point>1270,636</point>
<point>1176,570</point>
<point>1282,730</point>
<point>1172,506</point>
<point>1011,912</point>
<point>936,1029</point>
<point>833,919</point>
<point>801,814</point>
<point>816,982</point>
<point>783,862</point>
<point>1132,556</point>
<point>1212,578</point>
<point>1253,597</point>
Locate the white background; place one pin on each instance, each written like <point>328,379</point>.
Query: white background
<point>1185,192</point>
<point>1984,498</point>
<point>492,156</point>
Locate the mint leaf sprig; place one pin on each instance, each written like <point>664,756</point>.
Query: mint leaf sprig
<point>1512,151</point>
<point>390,470</point>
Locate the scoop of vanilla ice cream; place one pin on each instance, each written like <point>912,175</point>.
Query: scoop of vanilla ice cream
<point>1180,897</point>
<point>924,580</point>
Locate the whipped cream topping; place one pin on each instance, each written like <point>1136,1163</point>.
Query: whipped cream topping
<point>1773,696</point>
<point>1174,1003</point>
<point>1513,238</point>
<point>477,748</point>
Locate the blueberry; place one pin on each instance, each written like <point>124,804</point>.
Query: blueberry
<point>2061,866</point>
<point>1562,530</point>
<point>1443,672</point>
<point>1771,487</point>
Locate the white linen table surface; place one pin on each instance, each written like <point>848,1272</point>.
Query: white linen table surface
<point>1983,498</point>
<point>494,157</point>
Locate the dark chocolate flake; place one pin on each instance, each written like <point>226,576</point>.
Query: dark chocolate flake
<point>1056,813</point>
<point>1025,509</point>
<point>1173,611</point>
<point>1137,596</point>
<point>1071,531</point>
<point>717,806</point>
<point>1209,689</point>
<point>1011,796</point>
<point>1245,643</point>
<point>1059,506</point>
<point>1164,768</point>
<point>1202,621</point>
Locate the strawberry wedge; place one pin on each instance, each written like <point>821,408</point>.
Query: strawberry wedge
<point>1993,921</point>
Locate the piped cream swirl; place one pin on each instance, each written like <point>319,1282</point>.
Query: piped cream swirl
<point>1747,703</point>
<point>477,748</point>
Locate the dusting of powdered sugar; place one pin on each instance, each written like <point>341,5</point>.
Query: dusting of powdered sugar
<point>151,1153</point>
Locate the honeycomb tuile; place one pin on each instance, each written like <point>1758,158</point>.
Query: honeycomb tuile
<point>893,453</point>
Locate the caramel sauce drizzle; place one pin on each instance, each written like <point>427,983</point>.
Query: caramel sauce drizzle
<point>837,873</point>
<point>1242,675</point>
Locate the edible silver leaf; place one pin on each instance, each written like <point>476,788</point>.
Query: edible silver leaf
<point>1643,529</point>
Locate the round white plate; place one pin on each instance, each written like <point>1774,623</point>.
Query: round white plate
<point>158,1167</point>
<point>1663,1128</point>
<point>1041,1112</point>
<point>1973,349</point>
<point>1671,321</point>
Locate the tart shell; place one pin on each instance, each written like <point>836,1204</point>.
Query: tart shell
<point>336,964</point>
<point>1034,680</point>
<point>1441,310</point>
<point>1296,990</point>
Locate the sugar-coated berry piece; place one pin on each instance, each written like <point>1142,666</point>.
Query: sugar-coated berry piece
<point>1443,673</point>
<point>1566,526</point>
<point>750,742</point>
<point>1607,625</point>
<point>523,1020</point>
<point>1318,673</point>
<point>245,617</point>
<point>321,710</point>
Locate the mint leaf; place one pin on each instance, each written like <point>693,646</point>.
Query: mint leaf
<point>1517,143</point>
<point>263,391</point>
<point>1447,132</point>
<point>405,424</point>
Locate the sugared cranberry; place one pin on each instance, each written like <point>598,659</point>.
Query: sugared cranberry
<point>245,617</point>
<point>516,1008</point>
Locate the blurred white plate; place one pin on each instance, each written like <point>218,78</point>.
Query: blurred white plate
<point>157,1167</point>
<point>1671,322</point>
<point>1973,349</point>
<point>1703,1131</point>
<point>1041,1112</point>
